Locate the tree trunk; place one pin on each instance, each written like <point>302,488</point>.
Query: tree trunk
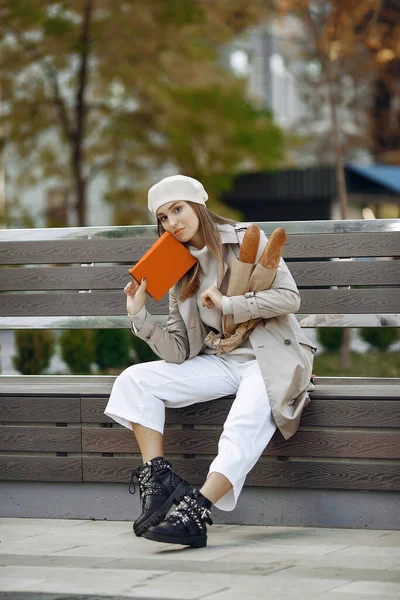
<point>345,356</point>
<point>81,184</point>
<point>339,162</point>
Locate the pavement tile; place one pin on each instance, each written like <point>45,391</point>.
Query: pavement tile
<point>105,559</point>
<point>351,573</point>
<point>181,586</point>
<point>369,551</point>
<point>281,551</point>
<point>11,535</point>
<point>385,590</point>
<point>279,582</point>
<point>132,547</point>
<point>337,595</point>
<point>390,539</point>
<point>33,546</point>
<point>255,556</point>
<point>77,562</point>
<point>194,566</point>
<point>12,584</point>
<point>232,594</point>
<point>40,523</point>
<point>77,581</point>
<point>270,586</point>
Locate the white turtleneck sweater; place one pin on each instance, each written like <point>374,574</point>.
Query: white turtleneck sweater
<point>211,317</point>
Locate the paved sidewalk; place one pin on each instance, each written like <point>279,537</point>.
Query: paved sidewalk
<point>93,560</point>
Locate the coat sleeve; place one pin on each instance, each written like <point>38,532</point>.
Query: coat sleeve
<point>171,342</point>
<point>280,299</point>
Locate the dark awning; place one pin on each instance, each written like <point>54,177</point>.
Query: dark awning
<point>385,176</point>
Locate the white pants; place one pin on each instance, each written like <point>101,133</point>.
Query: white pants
<point>141,393</point>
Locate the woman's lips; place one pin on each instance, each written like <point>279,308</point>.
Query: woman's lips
<point>179,230</point>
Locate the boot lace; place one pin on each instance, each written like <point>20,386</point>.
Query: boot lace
<point>148,485</point>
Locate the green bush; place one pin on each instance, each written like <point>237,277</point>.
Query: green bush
<point>379,337</point>
<point>143,352</point>
<point>78,350</point>
<point>330,337</point>
<point>113,348</point>
<point>35,349</point>
<point>367,364</point>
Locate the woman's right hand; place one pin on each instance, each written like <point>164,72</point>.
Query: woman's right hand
<point>136,296</point>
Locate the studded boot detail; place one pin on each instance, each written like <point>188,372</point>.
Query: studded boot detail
<point>159,489</point>
<point>185,525</point>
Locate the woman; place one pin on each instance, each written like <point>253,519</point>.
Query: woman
<point>269,373</point>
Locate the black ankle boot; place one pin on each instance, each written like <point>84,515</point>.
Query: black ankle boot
<point>159,489</point>
<point>186,525</point>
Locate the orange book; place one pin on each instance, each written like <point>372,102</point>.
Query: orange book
<point>163,265</point>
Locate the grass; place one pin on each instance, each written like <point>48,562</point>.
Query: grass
<point>374,363</point>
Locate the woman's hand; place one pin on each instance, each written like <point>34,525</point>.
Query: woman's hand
<point>136,296</point>
<point>212,297</point>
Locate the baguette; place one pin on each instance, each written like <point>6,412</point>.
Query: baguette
<point>273,250</point>
<point>249,247</point>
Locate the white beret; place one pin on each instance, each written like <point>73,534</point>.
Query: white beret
<point>176,187</point>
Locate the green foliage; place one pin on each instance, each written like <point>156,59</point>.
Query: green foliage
<point>143,352</point>
<point>72,78</point>
<point>369,364</point>
<point>379,337</point>
<point>35,349</point>
<point>330,337</point>
<point>78,350</point>
<point>113,348</point>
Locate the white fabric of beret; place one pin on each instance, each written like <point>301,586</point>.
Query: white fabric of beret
<point>176,187</point>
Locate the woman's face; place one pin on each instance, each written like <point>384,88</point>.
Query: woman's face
<point>180,219</point>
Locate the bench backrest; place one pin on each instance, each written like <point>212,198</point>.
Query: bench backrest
<point>74,277</point>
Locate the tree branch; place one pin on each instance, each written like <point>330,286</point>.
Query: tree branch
<point>82,75</point>
<point>51,75</point>
<point>109,162</point>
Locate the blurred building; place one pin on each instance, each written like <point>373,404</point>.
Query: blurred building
<point>258,57</point>
<point>311,194</point>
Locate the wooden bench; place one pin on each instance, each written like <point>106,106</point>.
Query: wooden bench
<point>53,429</point>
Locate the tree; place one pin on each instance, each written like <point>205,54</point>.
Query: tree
<point>385,110</point>
<point>112,348</point>
<point>334,35</point>
<point>119,89</point>
<point>335,72</point>
<point>78,350</point>
<point>35,349</point>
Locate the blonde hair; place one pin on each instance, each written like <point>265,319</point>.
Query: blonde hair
<point>208,222</point>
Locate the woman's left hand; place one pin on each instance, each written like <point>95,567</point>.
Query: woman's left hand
<point>212,297</point>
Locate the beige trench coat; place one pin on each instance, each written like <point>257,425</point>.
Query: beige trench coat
<point>283,352</point>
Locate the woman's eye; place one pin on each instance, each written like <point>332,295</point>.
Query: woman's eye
<point>178,208</point>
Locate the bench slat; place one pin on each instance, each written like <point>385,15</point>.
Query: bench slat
<point>101,385</point>
<point>314,273</point>
<point>288,474</point>
<point>337,301</point>
<point>345,444</point>
<point>40,468</point>
<point>323,413</point>
<point>74,251</point>
<point>130,250</point>
<point>40,439</point>
<point>354,389</point>
<point>40,410</point>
